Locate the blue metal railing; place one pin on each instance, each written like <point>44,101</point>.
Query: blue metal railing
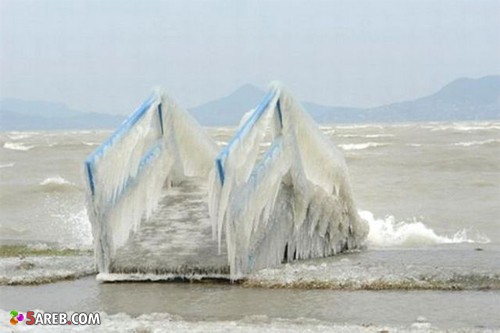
<point>120,132</point>
<point>244,130</point>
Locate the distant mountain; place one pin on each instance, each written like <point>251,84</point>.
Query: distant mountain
<point>39,115</point>
<point>462,99</point>
<point>228,110</point>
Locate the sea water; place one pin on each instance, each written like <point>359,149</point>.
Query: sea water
<point>430,192</point>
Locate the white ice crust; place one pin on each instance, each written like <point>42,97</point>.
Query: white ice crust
<point>163,145</point>
<point>294,202</point>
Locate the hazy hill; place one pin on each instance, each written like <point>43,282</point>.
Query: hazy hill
<point>39,115</point>
<point>462,99</point>
<point>228,110</point>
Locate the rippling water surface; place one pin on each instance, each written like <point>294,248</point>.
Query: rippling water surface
<point>430,191</point>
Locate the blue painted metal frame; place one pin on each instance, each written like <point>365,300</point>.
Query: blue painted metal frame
<point>243,131</point>
<point>160,115</point>
<point>124,128</point>
<point>145,161</point>
<point>280,115</point>
<point>275,148</point>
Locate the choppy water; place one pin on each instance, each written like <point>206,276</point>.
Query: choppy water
<point>429,186</point>
<point>423,183</point>
<point>215,307</point>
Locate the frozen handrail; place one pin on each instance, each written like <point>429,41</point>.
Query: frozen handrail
<point>244,130</point>
<point>294,203</point>
<point>250,131</point>
<point>118,135</point>
<point>114,170</point>
<point>159,144</point>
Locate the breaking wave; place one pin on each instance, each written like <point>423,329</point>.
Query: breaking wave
<point>90,143</point>
<point>476,143</point>
<point>21,135</point>
<point>464,127</point>
<point>221,143</point>
<point>7,165</point>
<point>360,146</point>
<point>359,126</point>
<point>57,183</point>
<point>165,322</point>
<point>16,146</point>
<point>368,136</point>
<point>387,232</point>
<point>45,265</point>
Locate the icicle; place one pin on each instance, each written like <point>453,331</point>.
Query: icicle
<point>296,199</point>
<point>157,145</point>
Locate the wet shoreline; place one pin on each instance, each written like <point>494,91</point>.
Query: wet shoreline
<point>445,267</point>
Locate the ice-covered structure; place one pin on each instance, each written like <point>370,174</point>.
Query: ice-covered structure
<point>162,202</point>
<point>157,147</point>
<point>293,201</point>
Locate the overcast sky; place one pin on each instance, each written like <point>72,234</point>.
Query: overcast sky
<point>105,56</point>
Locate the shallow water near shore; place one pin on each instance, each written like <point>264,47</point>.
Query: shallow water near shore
<point>208,301</point>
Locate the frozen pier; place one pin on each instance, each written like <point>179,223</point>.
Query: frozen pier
<point>165,203</point>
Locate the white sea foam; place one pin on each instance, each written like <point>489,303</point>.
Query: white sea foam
<point>359,126</point>
<point>7,165</point>
<point>221,143</point>
<point>16,146</point>
<point>40,269</point>
<point>414,145</point>
<point>360,146</point>
<point>57,180</point>
<point>463,127</point>
<point>57,183</point>
<point>70,224</point>
<point>165,322</point>
<point>378,135</point>
<point>388,232</point>
<point>90,143</point>
<point>368,136</point>
<point>328,130</point>
<point>78,226</point>
<point>20,135</point>
<point>476,143</point>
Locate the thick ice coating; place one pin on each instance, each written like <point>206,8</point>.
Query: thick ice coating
<point>294,201</point>
<point>158,145</point>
